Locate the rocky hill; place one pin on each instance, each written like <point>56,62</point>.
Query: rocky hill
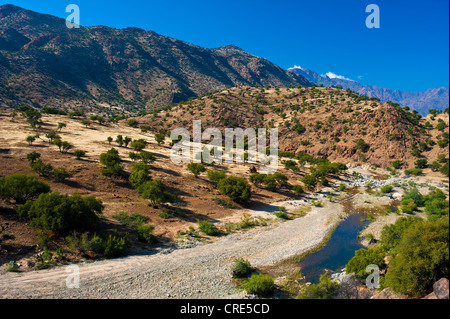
<point>43,63</point>
<point>422,102</point>
<point>323,122</point>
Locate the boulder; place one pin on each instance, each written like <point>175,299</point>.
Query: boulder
<point>441,288</point>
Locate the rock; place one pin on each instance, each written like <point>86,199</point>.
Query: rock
<point>441,288</point>
<point>386,294</point>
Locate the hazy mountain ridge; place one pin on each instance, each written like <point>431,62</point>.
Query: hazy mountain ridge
<point>44,63</point>
<point>422,102</point>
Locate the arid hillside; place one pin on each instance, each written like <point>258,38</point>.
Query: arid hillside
<point>330,123</point>
<point>103,69</point>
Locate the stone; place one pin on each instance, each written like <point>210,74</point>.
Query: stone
<point>441,288</point>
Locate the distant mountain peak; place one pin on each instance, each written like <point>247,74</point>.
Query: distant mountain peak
<point>422,102</point>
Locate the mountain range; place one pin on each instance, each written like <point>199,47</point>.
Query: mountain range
<point>107,70</point>
<point>422,102</point>
<point>43,63</point>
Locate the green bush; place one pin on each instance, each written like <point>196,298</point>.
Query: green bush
<point>196,168</point>
<point>155,191</point>
<point>310,181</point>
<point>140,175</point>
<point>392,234</point>
<point>298,189</point>
<point>364,258</point>
<point>386,189</point>
<point>325,289</point>
<point>79,154</point>
<point>413,171</point>
<point>145,233</point>
<point>33,156</point>
<point>138,145</point>
<point>260,285</point>
<point>61,174</point>
<point>421,258</point>
<point>216,176</point>
<point>241,268</point>
<point>421,163</point>
<point>362,145</point>
<point>111,160</point>
<point>236,188</point>
<point>257,178</point>
<point>397,164</point>
<point>41,168</point>
<point>21,188</point>
<point>130,220</point>
<point>62,213</point>
<point>444,169</point>
<point>112,246</point>
<point>208,228</point>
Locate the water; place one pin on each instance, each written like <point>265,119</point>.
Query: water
<point>338,251</point>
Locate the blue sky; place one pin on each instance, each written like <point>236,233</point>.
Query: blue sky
<point>409,52</point>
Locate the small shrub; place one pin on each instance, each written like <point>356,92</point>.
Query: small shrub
<point>241,268</point>
<point>208,228</point>
<point>145,233</point>
<point>216,176</point>
<point>21,188</point>
<point>386,189</point>
<point>260,285</point>
<point>236,188</point>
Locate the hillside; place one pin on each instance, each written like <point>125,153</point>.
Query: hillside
<point>323,122</point>
<point>102,69</point>
<point>422,102</point>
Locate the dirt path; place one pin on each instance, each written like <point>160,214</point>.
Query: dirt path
<point>198,272</point>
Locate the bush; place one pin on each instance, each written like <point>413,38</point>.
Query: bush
<point>397,164</point>
<point>208,228</point>
<point>241,268</point>
<point>421,163</point>
<point>260,285</point>
<point>155,191</point>
<point>444,169</point>
<point>421,258</point>
<point>147,157</point>
<point>236,188</point>
<point>111,247</point>
<point>138,145</point>
<point>413,171</point>
<point>257,178</point>
<point>392,234</point>
<point>325,289</point>
<point>145,233</point>
<point>132,123</point>
<point>62,213</point>
<point>79,154</point>
<point>408,206</point>
<point>362,145</point>
<point>111,160</point>
<point>33,156</point>
<point>364,258</point>
<point>61,174</point>
<point>216,176</point>
<point>386,189</point>
<point>298,189</point>
<point>21,188</point>
<point>310,181</point>
<point>41,168</point>
<point>196,168</point>
<point>159,138</point>
<point>130,220</point>
<point>140,175</point>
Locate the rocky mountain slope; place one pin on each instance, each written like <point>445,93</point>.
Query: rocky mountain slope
<point>43,63</point>
<point>422,102</point>
<point>323,122</point>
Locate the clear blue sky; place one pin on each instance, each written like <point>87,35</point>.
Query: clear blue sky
<point>409,52</point>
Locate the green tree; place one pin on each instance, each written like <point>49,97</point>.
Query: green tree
<point>236,188</point>
<point>111,160</point>
<point>33,156</point>
<point>61,174</point>
<point>310,181</point>
<point>364,258</point>
<point>325,289</point>
<point>21,188</point>
<point>196,168</point>
<point>155,191</point>
<point>140,175</point>
<point>138,145</point>
<point>216,176</point>
<point>159,138</point>
<point>420,258</point>
<point>79,154</point>
<point>62,213</point>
